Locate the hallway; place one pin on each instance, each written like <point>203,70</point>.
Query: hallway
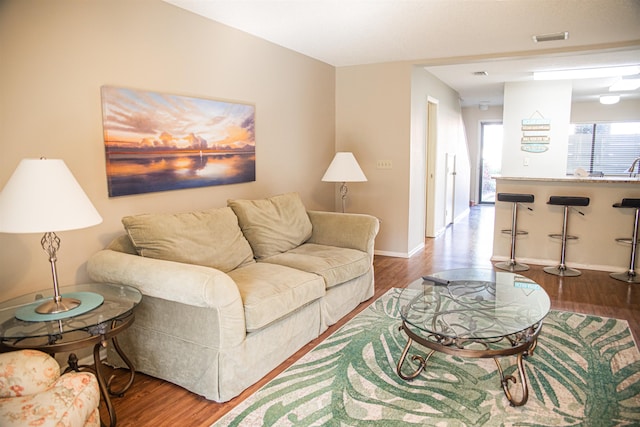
<point>466,243</point>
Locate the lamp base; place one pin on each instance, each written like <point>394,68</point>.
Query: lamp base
<point>88,302</point>
<point>343,194</point>
<point>52,306</point>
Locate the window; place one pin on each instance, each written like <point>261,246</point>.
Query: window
<point>609,148</point>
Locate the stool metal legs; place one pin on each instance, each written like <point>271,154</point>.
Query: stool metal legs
<point>512,265</point>
<point>630,276</point>
<point>562,269</point>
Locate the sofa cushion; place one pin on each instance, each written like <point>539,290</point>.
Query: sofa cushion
<point>210,238</point>
<point>270,292</point>
<point>335,265</point>
<point>123,244</point>
<point>273,225</point>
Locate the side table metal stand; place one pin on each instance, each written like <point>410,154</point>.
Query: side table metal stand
<point>96,368</point>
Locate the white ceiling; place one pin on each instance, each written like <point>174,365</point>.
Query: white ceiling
<point>451,38</point>
<point>474,89</point>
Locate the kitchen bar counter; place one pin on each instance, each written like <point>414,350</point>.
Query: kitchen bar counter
<point>596,248</point>
<point>579,179</point>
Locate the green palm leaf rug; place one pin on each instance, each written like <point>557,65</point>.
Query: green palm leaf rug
<point>585,371</point>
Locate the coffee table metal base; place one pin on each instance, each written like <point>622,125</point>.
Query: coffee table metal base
<point>520,345</point>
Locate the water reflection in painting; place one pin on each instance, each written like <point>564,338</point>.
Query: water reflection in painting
<point>159,142</point>
<point>148,173</point>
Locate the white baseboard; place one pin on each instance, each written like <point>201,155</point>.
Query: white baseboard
<point>416,250</point>
<point>401,254</point>
<point>392,254</point>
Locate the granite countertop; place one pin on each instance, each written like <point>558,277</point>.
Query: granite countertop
<point>580,179</point>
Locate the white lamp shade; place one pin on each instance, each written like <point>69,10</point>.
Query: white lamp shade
<point>43,196</point>
<point>344,168</point>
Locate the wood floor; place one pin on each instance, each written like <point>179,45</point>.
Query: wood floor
<point>467,243</point>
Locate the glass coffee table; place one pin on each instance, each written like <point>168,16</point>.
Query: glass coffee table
<point>112,314</point>
<point>475,313</point>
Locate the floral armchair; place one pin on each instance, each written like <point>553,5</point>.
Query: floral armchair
<point>33,393</point>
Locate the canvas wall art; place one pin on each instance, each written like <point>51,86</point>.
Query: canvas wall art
<point>158,142</point>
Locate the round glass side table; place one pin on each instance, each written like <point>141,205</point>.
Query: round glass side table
<point>95,327</point>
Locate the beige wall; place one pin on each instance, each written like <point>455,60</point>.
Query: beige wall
<point>549,100</point>
<point>56,55</point>
<point>372,121</point>
<point>381,115</point>
<point>625,110</point>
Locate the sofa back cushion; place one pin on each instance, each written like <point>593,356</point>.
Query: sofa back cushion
<point>123,244</point>
<point>274,225</point>
<point>211,238</point>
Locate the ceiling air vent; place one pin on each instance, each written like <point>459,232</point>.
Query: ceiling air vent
<point>480,73</point>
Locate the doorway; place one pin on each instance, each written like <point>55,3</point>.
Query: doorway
<point>491,134</point>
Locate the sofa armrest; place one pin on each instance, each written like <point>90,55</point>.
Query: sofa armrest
<point>345,230</point>
<point>173,281</point>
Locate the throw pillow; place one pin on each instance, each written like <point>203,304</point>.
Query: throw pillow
<point>274,225</point>
<point>211,238</point>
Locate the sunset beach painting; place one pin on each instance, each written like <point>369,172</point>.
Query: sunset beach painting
<point>160,142</point>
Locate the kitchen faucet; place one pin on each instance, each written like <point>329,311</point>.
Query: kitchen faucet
<point>633,166</point>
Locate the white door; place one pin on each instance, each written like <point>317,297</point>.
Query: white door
<point>431,143</point>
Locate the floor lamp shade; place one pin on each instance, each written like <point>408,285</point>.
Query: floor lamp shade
<point>42,196</point>
<point>344,168</point>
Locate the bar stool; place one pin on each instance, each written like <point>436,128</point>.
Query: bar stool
<point>566,201</point>
<point>516,199</point>
<point>630,276</point>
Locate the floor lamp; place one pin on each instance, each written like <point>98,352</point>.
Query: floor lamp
<point>344,168</point>
<point>42,196</point>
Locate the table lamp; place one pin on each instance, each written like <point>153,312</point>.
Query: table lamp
<point>42,196</point>
<point>344,168</point>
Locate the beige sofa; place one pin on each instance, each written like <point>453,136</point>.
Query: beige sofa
<point>230,293</point>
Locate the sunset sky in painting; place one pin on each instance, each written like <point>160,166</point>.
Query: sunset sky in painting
<point>134,119</point>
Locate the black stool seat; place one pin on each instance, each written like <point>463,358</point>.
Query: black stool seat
<point>630,276</point>
<point>568,201</point>
<point>515,197</point>
<point>628,203</point>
